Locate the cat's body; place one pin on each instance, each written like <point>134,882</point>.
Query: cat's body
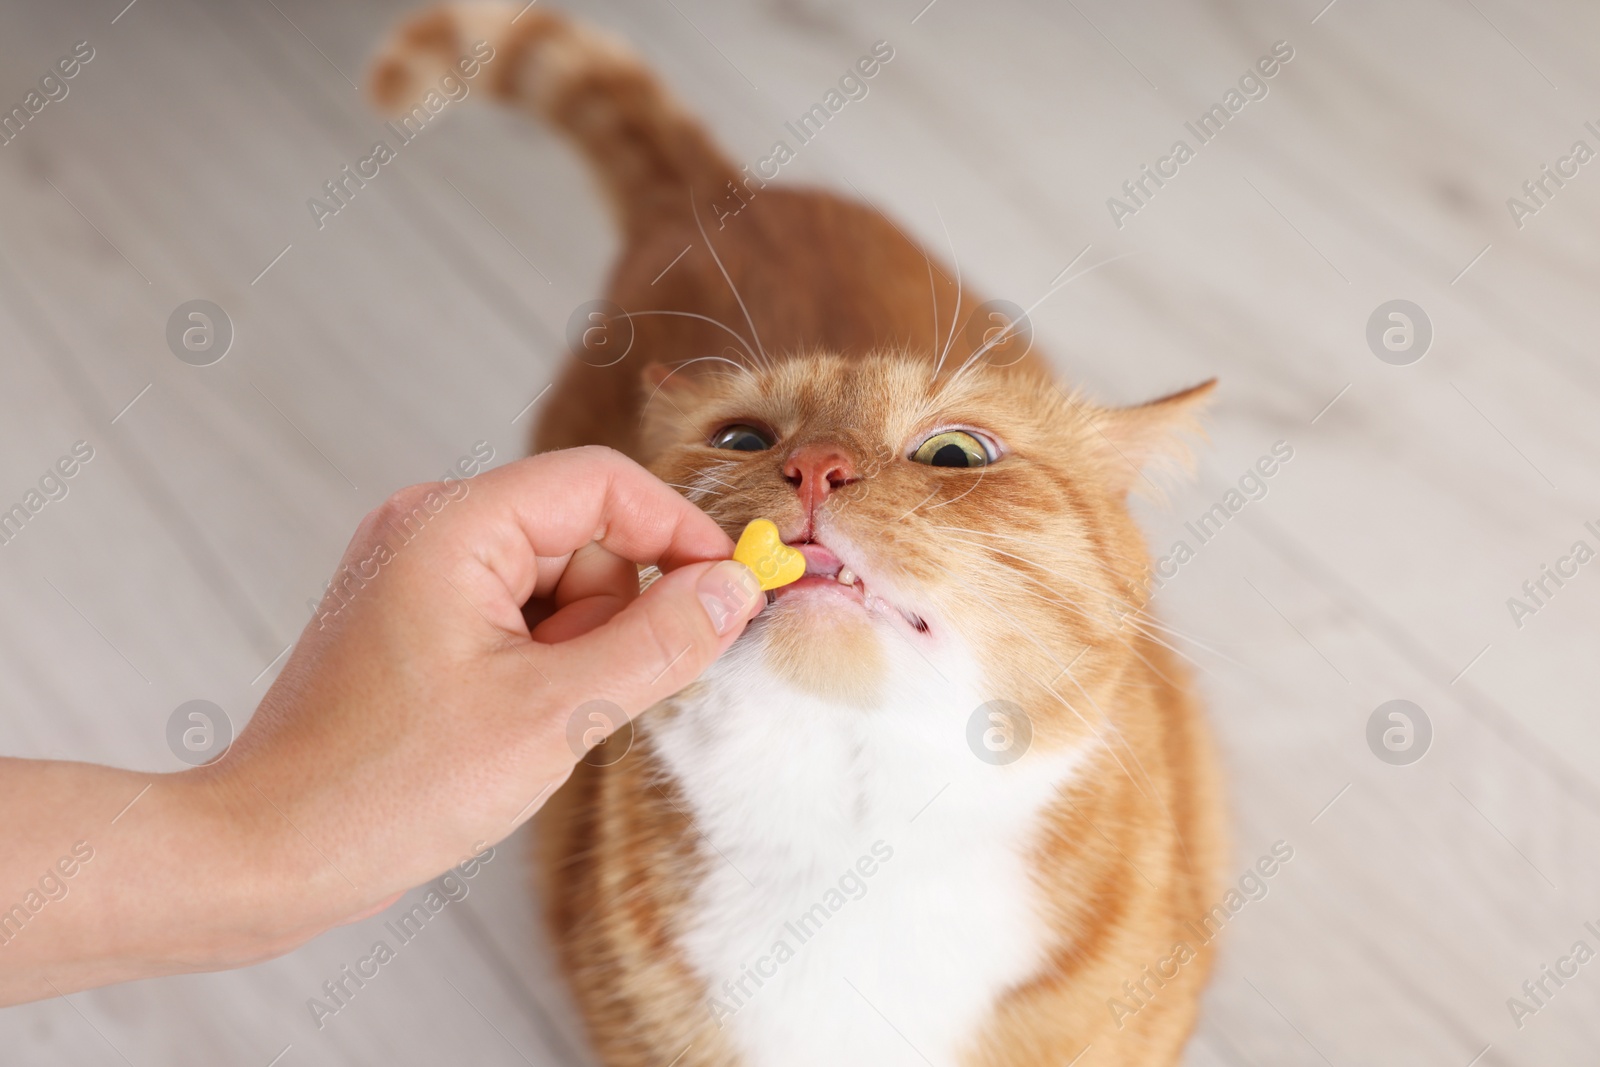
<point>958,811</point>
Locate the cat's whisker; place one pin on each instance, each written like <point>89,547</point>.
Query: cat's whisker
<point>1129,617</point>
<point>982,473</point>
<point>1066,669</point>
<point>711,359</point>
<point>1116,632</point>
<point>645,407</point>
<point>1102,593</point>
<point>1110,725</point>
<point>1048,293</point>
<point>925,499</point>
<point>1111,729</point>
<point>1127,605</point>
<point>956,313</point>
<point>1117,610</point>
<point>1151,625</point>
<point>1160,800</point>
<point>695,208</point>
<point>703,318</point>
<point>657,391</point>
<point>694,489</point>
<point>714,478</point>
<point>1116,622</point>
<point>994,604</point>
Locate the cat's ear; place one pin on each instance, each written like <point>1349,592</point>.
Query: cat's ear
<point>676,380</point>
<point>654,374</point>
<point>1142,444</point>
<point>667,391</point>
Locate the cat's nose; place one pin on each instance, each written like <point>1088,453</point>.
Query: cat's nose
<point>817,470</point>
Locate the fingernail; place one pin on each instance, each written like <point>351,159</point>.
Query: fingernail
<point>729,590</point>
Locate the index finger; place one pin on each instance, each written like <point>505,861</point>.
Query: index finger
<point>552,504</point>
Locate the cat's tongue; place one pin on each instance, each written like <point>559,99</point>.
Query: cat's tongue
<point>819,560</point>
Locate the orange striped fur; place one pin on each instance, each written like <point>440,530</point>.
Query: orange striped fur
<point>1021,581</point>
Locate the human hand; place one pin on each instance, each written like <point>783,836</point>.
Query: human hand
<point>420,717</point>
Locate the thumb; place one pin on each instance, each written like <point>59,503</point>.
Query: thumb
<point>661,641</point>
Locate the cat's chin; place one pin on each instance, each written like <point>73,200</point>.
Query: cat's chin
<point>826,642</point>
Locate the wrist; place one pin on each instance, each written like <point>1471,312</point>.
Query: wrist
<point>261,889</point>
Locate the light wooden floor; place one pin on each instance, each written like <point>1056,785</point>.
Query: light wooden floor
<point>424,317</point>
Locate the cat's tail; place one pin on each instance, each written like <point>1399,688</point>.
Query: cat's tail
<point>647,151</point>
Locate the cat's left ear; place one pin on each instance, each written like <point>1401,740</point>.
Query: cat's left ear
<point>675,378</point>
<point>654,374</point>
<point>665,390</point>
<point>1149,438</point>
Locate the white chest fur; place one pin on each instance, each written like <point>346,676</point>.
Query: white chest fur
<point>866,896</point>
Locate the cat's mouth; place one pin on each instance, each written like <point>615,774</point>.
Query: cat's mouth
<point>828,575</point>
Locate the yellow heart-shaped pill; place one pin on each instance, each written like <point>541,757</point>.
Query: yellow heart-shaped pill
<point>763,551</point>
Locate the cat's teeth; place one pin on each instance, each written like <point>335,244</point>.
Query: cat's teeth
<point>846,576</point>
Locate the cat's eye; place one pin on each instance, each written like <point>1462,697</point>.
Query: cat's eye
<point>952,448</point>
<point>741,438</point>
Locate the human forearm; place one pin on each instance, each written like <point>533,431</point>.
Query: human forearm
<point>108,875</point>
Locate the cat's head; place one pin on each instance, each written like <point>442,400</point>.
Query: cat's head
<point>984,512</point>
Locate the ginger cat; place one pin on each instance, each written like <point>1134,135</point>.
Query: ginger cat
<point>949,800</point>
